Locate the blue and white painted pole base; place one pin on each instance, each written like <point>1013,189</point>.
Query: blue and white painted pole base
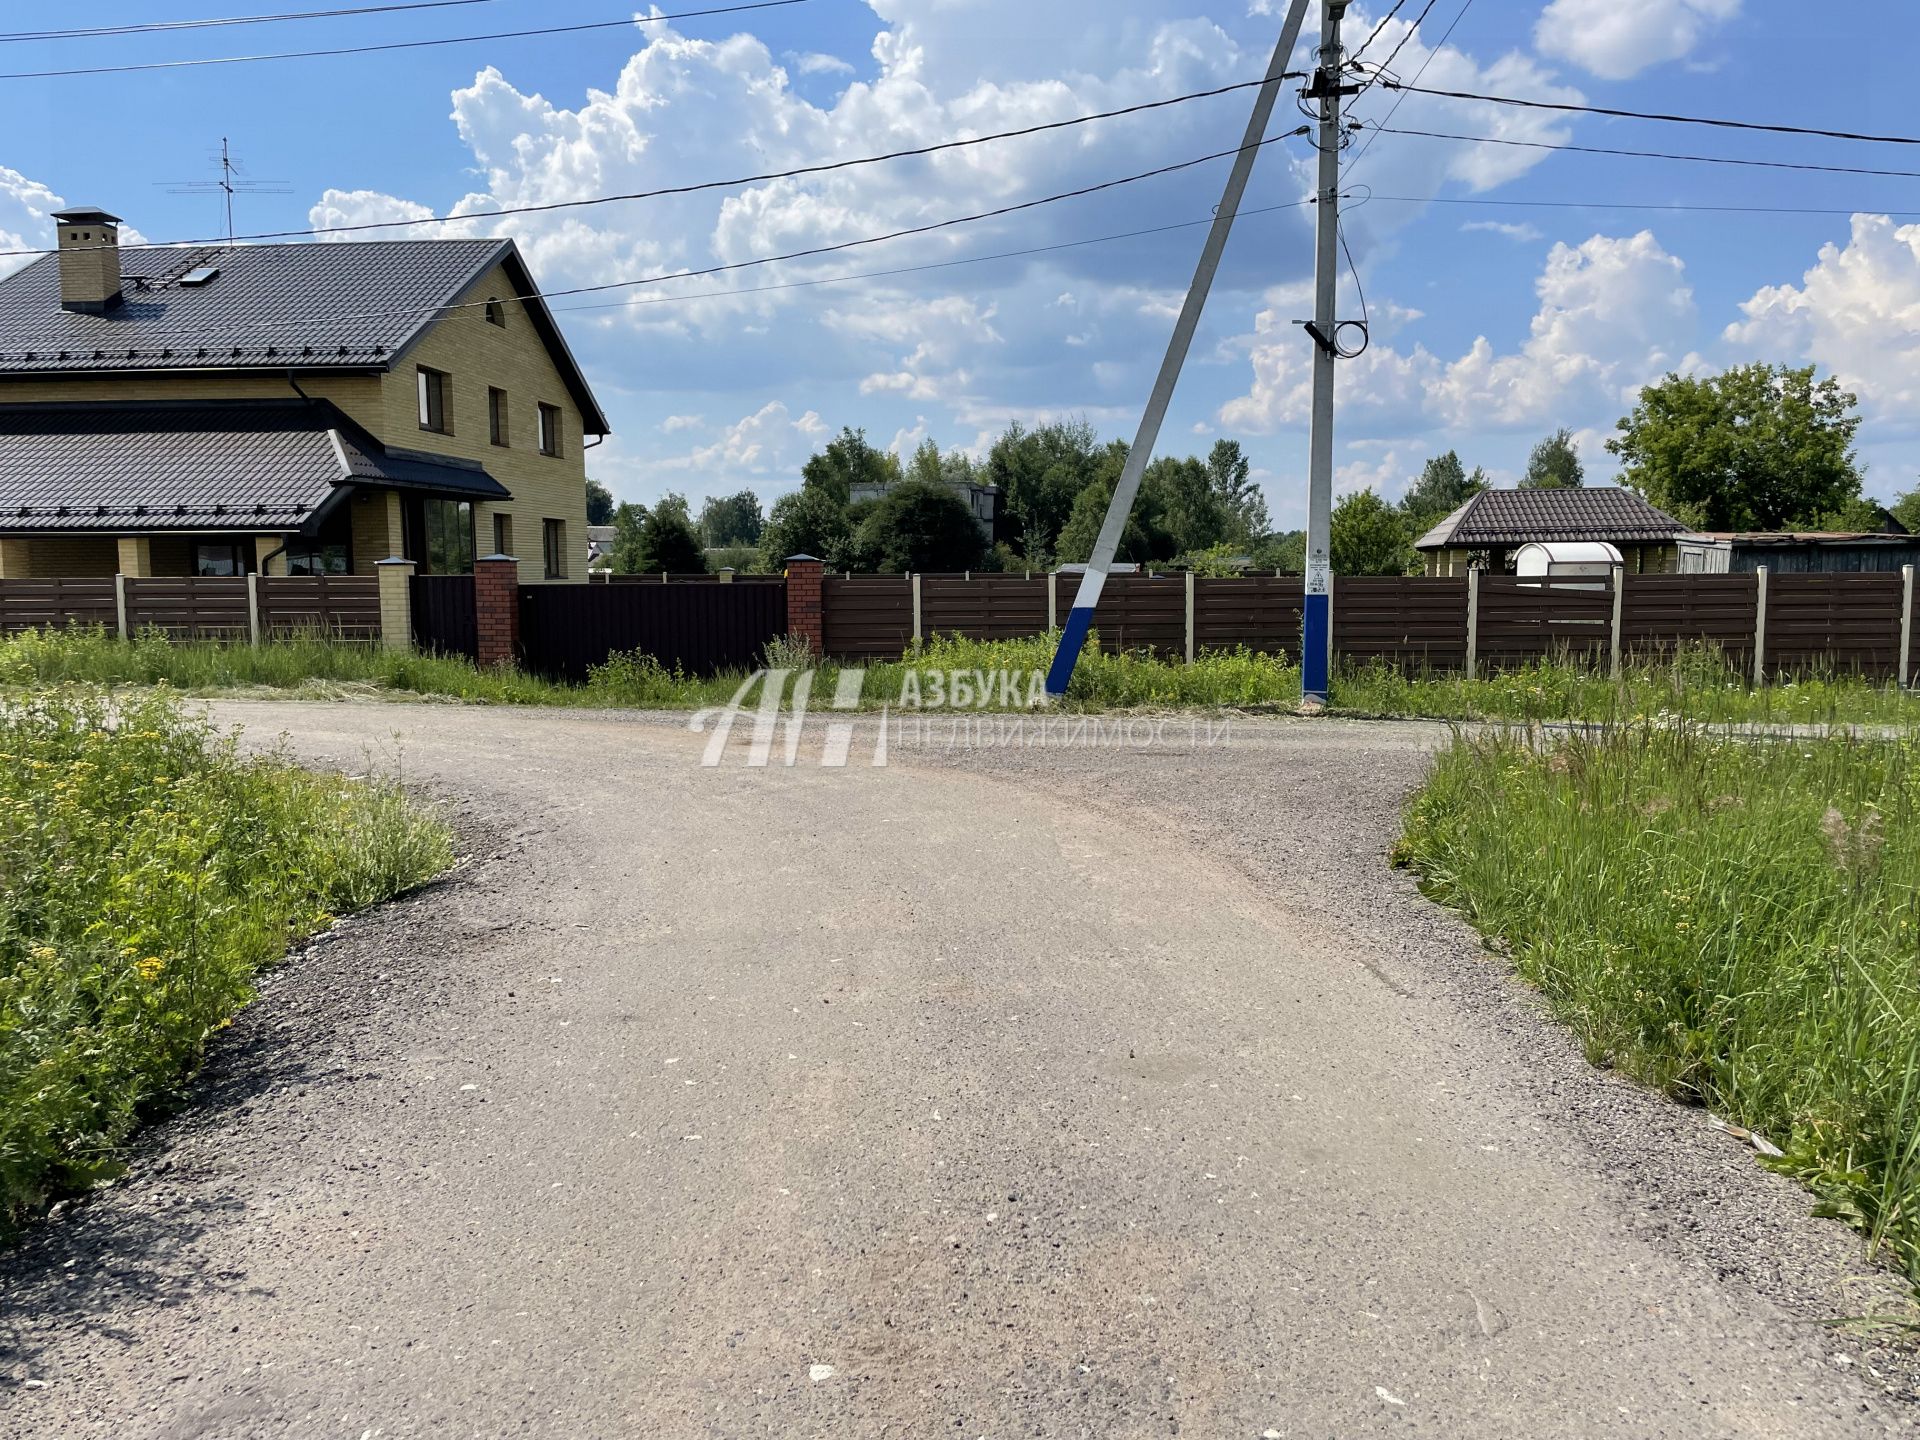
<point>1316,637</point>
<point>1072,638</point>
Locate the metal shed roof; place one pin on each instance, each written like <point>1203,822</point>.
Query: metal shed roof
<point>1516,517</point>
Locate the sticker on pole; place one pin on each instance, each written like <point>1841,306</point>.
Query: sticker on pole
<point>1319,577</point>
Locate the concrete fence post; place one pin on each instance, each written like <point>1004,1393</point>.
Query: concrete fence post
<point>496,610</point>
<point>1906,624</point>
<point>806,608</point>
<point>396,603</point>
<point>120,603</point>
<point>918,635</point>
<point>726,574</point>
<point>1190,586</point>
<point>1760,625</point>
<point>1473,622</point>
<point>253,609</point>
<point>1619,606</point>
<point>1053,601</point>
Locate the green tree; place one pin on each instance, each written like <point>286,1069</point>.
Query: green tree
<point>599,504</point>
<point>1443,487</point>
<point>1143,540</point>
<point>848,460</point>
<point>1368,537</point>
<point>1906,509</point>
<point>1231,475</point>
<point>806,522</point>
<point>918,526</point>
<point>1190,511</point>
<point>1041,473</point>
<point>628,522</point>
<point>1284,552</point>
<point>675,504</point>
<point>731,520</point>
<point>1757,447</point>
<point>668,545</point>
<point>1555,464</point>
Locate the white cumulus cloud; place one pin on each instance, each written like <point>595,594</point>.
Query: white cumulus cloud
<point>1617,39</point>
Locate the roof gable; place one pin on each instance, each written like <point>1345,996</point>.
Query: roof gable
<point>1518,517</point>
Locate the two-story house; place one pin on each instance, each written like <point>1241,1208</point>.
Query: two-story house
<point>287,409</point>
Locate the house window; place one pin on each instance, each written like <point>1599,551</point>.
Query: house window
<point>447,537</point>
<point>434,388</point>
<point>502,534</point>
<point>496,313</point>
<point>497,415</point>
<point>310,557</point>
<point>218,557</point>
<point>549,429</point>
<point>553,542</point>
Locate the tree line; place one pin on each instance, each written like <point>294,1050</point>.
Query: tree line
<point>1756,447</point>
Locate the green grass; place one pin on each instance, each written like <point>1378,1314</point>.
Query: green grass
<point>1694,684</point>
<point>147,871</point>
<point>1734,921</point>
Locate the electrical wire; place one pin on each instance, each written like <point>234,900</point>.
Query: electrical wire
<point>619,24</point>
<point>1714,121</point>
<point>151,27</point>
<point>1401,98</point>
<point>1644,154</point>
<point>731,266</point>
<point>1365,323</point>
<point>1384,22</point>
<point>1646,205</point>
<point>822,168</point>
<point>1412,30</point>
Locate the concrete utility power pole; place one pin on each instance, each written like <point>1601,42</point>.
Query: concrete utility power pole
<point>1316,651</point>
<point>1080,617</point>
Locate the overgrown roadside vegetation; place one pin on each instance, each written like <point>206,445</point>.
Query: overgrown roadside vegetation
<point>1735,921</point>
<point>147,872</point>
<point>1695,684</point>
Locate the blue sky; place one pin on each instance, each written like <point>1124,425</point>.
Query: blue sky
<point>1494,322</point>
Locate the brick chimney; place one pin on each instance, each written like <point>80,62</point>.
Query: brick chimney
<point>89,259</point>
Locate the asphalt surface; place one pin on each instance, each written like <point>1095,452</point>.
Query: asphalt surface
<point>1092,1090</point>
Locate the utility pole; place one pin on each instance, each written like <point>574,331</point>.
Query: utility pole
<point>1080,618</point>
<point>1316,640</point>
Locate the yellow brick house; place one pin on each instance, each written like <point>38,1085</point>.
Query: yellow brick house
<point>286,409</point>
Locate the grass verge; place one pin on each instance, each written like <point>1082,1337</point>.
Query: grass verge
<point>1736,922</point>
<point>147,871</point>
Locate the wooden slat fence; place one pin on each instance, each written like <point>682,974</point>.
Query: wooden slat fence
<point>189,607</point>
<point>987,607</point>
<point>1843,623</point>
<point>30,604</point>
<point>1660,614</point>
<point>1527,620</point>
<point>332,607</point>
<point>1137,612</point>
<point>1260,612</point>
<point>867,617</point>
<point>1410,622</point>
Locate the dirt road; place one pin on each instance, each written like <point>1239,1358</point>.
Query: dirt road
<point>1068,1092</point>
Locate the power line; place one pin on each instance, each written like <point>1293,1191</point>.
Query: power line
<point>1412,30</point>
<point>819,169</point>
<point>731,266</point>
<point>1385,20</point>
<point>1678,208</point>
<point>160,26</point>
<point>1644,154</point>
<point>1718,123</point>
<point>1401,99</point>
<point>619,24</point>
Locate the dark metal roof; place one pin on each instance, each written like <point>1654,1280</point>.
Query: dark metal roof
<point>81,214</point>
<point>199,465</point>
<point>1518,517</point>
<point>271,307</point>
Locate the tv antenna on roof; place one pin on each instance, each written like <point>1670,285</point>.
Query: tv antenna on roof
<point>233,181</point>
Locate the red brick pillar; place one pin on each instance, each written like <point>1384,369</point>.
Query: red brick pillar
<point>496,609</point>
<point>805,614</point>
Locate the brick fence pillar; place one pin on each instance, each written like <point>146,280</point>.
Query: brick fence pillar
<point>805,613</point>
<point>396,602</point>
<point>496,609</point>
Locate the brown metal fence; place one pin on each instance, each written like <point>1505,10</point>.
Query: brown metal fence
<point>1521,621</point>
<point>188,607</point>
<point>867,617</point>
<point>1848,623</point>
<point>333,607</point>
<point>32,604</point>
<point>1261,613</point>
<point>987,607</point>
<point>1660,614</point>
<point>1410,622</point>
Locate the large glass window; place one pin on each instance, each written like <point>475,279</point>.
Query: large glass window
<point>549,429</point>
<point>218,557</point>
<point>433,400</point>
<point>449,536</point>
<point>497,416</point>
<point>313,557</point>
<point>553,544</point>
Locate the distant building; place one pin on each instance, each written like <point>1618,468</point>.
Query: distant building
<point>982,500</point>
<point>1484,533</point>
<point>600,546</point>
<point>1803,551</point>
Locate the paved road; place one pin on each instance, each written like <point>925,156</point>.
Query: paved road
<point>1039,1093</point>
